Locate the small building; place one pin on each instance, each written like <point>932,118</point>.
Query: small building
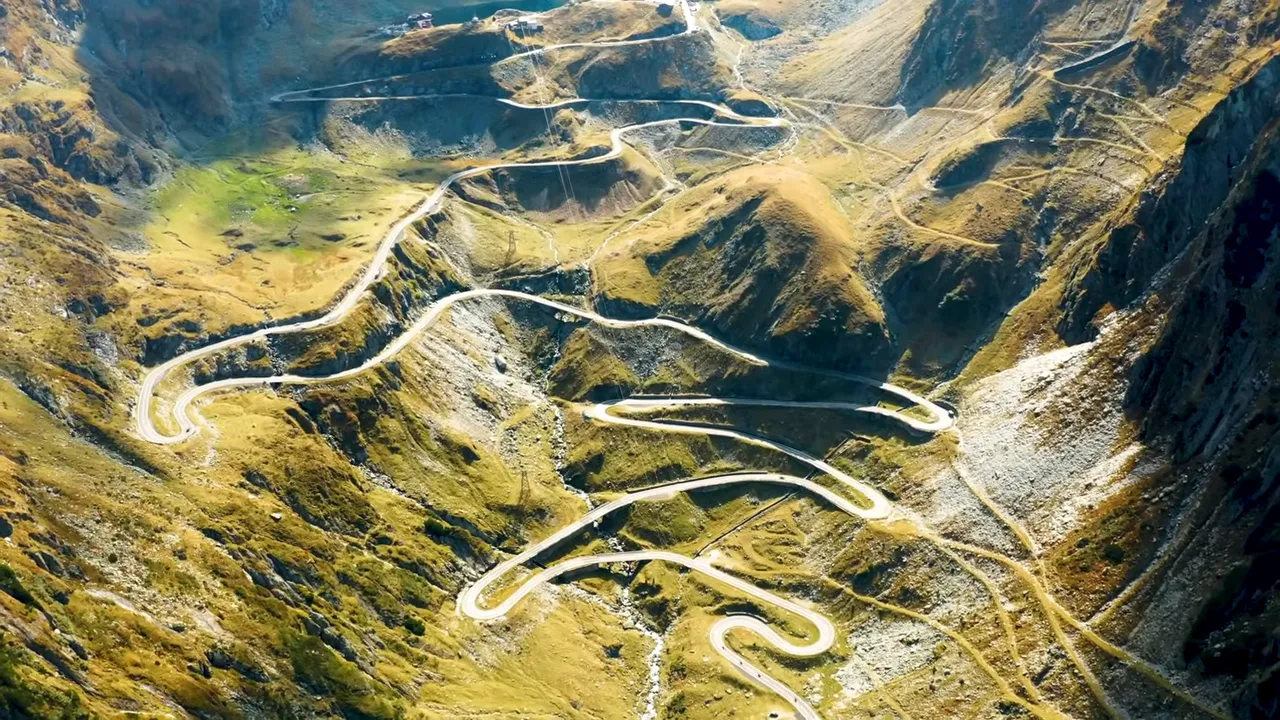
<point>525,24</point>
<point>420,20</point>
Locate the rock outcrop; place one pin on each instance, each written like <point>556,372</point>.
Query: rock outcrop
<point>1175,208</point>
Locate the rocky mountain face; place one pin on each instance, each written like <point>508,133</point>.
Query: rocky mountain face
<point>63,138</point>
<point>960,42</point>
<point>1206,388</point>
<point>1176,207</point>
<point>174,59</point>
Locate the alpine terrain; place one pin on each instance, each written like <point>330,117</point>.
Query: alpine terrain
<point>640,359</point>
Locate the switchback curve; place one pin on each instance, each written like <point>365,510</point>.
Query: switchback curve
<point>879,506</point>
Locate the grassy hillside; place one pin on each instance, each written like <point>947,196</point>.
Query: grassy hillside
<point>1056,220</point>
<point>759,254</point>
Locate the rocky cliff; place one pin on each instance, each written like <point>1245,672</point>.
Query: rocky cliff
<point>1206,387</point>
<point>1175,208</point>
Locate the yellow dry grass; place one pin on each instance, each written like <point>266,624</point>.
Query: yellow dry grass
<point>782,198</point>
<point>241,240</point>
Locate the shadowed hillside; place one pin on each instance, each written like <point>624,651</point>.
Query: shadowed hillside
<point>504,367</point>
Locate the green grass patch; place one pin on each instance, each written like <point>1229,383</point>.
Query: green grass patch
<point>10,583</point>
<point>235,191</point>
<point>321,671</point>
<point>22,696</point>
<point>667,522</point>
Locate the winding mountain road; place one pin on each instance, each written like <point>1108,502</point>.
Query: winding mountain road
<point>470,602</point>
<point>431,203</point>
<point>879,508</point>
<point>145,423</point>
<point>182,411</point>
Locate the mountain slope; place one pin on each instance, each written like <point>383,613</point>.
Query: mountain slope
<point>1054,223</point>
<point>766,256</point>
